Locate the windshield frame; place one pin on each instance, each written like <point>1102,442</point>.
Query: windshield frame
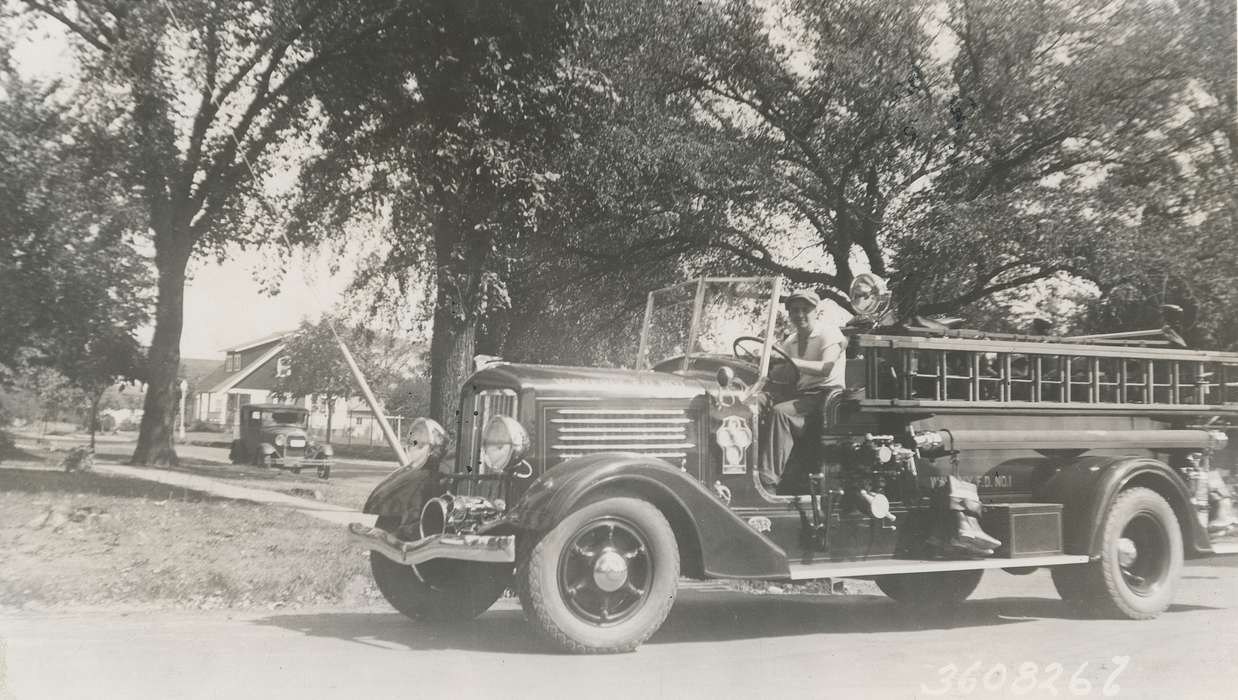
<point>268,418</point>
<point>643,361</point>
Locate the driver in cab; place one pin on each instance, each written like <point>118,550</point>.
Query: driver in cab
<point>818,352</point>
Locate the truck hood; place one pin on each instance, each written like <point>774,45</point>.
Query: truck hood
<point>554,380</point>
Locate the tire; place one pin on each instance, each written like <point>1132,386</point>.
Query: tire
<point>1140,561</point>
<point>446,590</point>
<point>234,453</point>
<point>603,580</point>
<point>324,472</point>
<point>937,589</point>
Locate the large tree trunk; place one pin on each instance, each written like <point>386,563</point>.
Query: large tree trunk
<point>452,347</point>
<point>155,438</point>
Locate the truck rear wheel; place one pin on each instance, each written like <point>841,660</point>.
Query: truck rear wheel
<point>1140,561</point>
<point>931,589</point>
<point>604,579</point>
<point>441,590</point>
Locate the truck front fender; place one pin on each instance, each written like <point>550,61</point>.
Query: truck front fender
<point>713,541</point>
<point>1086,486</point>
<point>405,491</point>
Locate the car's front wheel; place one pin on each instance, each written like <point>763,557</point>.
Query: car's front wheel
<point>441,590</point>
<point>604,579</point>
<point>1140,561</point>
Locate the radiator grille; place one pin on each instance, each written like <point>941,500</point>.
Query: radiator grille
<point>486,403</point>
<point>664,433</point>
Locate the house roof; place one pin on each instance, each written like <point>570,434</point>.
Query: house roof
<point>259,341</point>
<point>194,370</point>
<point>230,380</point>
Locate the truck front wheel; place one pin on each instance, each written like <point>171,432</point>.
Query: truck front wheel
<point>1140,561</point>
<point>441,590</point>
<point>604,579</point>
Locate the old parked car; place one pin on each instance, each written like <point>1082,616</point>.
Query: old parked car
<point>591,491</point>
<point>274,436</point>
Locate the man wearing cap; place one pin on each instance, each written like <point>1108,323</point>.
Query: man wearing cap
<point>818,353</point>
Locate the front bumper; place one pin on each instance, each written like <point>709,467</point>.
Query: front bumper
<point>494,549</point>
<point>300,462</point>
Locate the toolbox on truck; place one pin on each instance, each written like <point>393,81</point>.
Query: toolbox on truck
<point>1025,529</point>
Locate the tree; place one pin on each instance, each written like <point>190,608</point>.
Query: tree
<point>316,366</point>
<point>1177,197</point>
<point>956,152</point>
<point>443,124</point>
<point>70,274</point>
<point>72,280</point>
<point>195,98</point>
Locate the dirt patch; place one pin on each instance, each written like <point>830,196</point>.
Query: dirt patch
<point>93,540</point>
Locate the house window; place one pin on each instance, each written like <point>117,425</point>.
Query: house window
<point>359,421</point>
<point>234,362</point>
<point>283,366</point>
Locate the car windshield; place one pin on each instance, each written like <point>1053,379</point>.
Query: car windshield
<point>288,418</point>
<point>705,316</point>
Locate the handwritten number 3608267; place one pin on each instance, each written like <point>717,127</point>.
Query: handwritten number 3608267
<point>1026,678</point>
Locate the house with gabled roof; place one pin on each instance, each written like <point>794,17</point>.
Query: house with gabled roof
<point>247,376</point>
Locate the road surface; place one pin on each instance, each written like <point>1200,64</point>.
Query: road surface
<point>714,645</point>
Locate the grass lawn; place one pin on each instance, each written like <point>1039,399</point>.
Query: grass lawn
<point>91,540</point>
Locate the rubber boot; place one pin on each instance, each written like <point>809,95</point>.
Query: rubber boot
<point>959,533</point>
<point>1223,517</point>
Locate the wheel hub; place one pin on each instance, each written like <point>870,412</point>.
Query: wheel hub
<point>1127,552</point>
<point>610,571</point>
<point>606,571</point>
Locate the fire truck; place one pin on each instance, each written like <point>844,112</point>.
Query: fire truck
<point>592,491</point>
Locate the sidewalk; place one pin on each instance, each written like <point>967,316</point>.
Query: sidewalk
<point>315,509</point>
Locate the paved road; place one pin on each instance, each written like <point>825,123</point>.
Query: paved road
<point>714,645</point>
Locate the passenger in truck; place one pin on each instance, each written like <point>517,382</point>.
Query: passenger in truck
<point>818,351</point>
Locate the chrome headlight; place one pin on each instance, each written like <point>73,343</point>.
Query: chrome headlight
<point>280,439</point>
<point>426,439</point>
<point>868,294</point>
<point>503,443</point>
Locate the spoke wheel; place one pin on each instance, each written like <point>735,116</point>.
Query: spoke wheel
<point>1140,561</point>
<point>604,578</point>
<point>606,571</point>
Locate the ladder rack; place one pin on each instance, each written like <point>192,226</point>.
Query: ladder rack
<point>903,372</point>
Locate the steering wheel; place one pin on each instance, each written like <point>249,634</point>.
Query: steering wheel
<point>782,370</point>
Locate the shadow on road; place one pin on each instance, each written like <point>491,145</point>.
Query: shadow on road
<point>696,617</point>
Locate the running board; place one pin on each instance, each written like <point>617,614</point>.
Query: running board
<point>1225,548</point>
<point>883,567</point>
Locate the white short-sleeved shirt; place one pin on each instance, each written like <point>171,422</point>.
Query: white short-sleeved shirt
<point>822,338</point>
